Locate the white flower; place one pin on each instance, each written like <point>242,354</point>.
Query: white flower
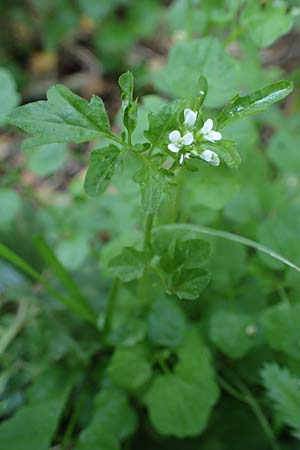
<point>208,133</point>
<point>210,157</point>
<point>183,157</point>
<point>190,117</point>
<point>177,141</point>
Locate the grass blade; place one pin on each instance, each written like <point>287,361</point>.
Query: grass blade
<point>232,237</point>
<point>71,303</point>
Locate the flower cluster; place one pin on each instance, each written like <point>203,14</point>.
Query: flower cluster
<point>179,143</point>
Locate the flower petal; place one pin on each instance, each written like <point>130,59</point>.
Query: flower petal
<point>173,148</point>
<point>181,159</point>
<point>188,139</point>
<point>215,135</point>
<point>190,117</point>
<point>206,155</point>
<point>207,127</point>
<point>210,157</point>
<point>175,136</point>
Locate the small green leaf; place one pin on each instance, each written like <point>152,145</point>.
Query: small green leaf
<point>9,98</point>
<point>189,283</point>
<point>162,123</point>
<point>126,82</point>
<point>129,368</point>
<point>281,326</point>
<point>166,323</point>
<point>283,389</point>
<point>257,101</point>
<point>234,333</point>
<point>180,403</point>
<point>101,169</point>
<point>128,265</point>
<point>65,117</point>
<point>129,107</point>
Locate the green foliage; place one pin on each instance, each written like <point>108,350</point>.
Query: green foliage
<point>166,323</point>
<point>266,22</point>
<point>283,389</point>
<point>188,60</point>
<point>179,403</point>
<point>128,265</point>
<point>281,328</point>
<point>130,368</point>
<point>233,332</point>
<point>101,169</point>
<point>64,117</point>
<point>113,420</point>
<point>35,423</point>
<point>253,103</point>
<point>173,185</point>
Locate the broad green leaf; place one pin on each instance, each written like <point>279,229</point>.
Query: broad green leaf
<point>256,102</point>
<point>166,323</point>
<point>162,123</point>
<point>189,283</point>
<point>180,403</point>
<point>34,424</point>
<point>283,389</point>
<point>101,169</point>
<point>112,421</point>
<point>233,332</point>
<point>96,438</point>
<point>46,159</point>
<point>65,117</point>
<point>281,327</point>
<point>129,368</point>
<point>153,183</point>
<point>9,98</point>
<point>10,205</point>
<point>266,22</point>
<point>190,59</point>
<point>128,265</point>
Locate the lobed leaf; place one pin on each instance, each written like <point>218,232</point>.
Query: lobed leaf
<point>64,117</point>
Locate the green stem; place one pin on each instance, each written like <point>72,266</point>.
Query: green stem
<point>148,229</point>
<point>111,304</point>
<point>71,425</point>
